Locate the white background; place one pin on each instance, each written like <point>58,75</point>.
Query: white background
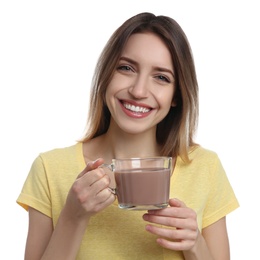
<point>48,50</point>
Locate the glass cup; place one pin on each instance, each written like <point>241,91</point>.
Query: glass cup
<point>142,183</point>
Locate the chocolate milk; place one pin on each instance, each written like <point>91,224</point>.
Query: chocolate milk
<point>137,187</point>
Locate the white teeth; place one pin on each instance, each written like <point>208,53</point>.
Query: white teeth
<point>136,109</point>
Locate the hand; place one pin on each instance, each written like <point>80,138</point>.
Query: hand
<point>180,228</point>
<point>90,192</point>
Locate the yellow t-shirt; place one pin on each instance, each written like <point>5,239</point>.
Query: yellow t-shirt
<point>120,234</point>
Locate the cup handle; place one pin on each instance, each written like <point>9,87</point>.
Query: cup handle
<point>111,168</point>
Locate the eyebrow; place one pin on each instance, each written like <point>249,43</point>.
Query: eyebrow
<point>161,69</point>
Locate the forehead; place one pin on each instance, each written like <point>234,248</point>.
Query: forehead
<point>148,47</point>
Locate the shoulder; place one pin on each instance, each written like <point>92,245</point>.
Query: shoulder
<point>201,153</point>
<point>60,158</point>
<point>204,169</point>
<point>61,152</point>
<point>201,159</point>
<point>66,161</point>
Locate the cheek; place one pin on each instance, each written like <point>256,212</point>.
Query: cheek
<point>113,86</point>
<point>110,89</point>
<point>165,98</point>
<point>110,94</point>
<point>108,98</point>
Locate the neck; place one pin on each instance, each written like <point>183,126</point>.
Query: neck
<point>132,146</point>
<point>120,144</point>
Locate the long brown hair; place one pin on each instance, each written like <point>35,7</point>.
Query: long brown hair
<point>176,131</point>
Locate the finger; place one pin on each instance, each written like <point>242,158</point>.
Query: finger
<point>95,180</point>
<point>176,203</point>
<point>95,164</point>
<point>92,189</point>
<point>175,245</point>
<point>103,200</point>
<point>180,223</point>
<point>176,212</point>
<point>176,207</point>
<point>91,166</point>
<point>172,234</point>
<point>104,195</point>
<point>100,181</point>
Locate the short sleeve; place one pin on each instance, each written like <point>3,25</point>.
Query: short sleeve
<point>221,199</point>
<point>35,192</point>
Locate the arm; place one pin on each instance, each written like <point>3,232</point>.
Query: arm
<point>88,195</point>
<point>216,237</point>
<point>180,233</point>
<point>213,242</point>
<point>39,234</point>
<point>45,243</point>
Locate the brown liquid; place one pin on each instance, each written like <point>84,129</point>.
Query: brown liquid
<point>142,187</point>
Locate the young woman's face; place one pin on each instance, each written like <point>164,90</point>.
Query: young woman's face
<point>142,88</point>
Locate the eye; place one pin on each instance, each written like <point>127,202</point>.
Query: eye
<point>163,78</point>
<point>124,67</point>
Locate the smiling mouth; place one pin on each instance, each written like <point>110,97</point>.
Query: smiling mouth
<point>135,109</point>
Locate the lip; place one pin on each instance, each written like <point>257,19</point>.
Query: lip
<point>135,114</point>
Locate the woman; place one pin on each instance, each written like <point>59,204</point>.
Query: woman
<point>144,102</point>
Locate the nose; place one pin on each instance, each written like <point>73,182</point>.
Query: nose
<point>139,88</point>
